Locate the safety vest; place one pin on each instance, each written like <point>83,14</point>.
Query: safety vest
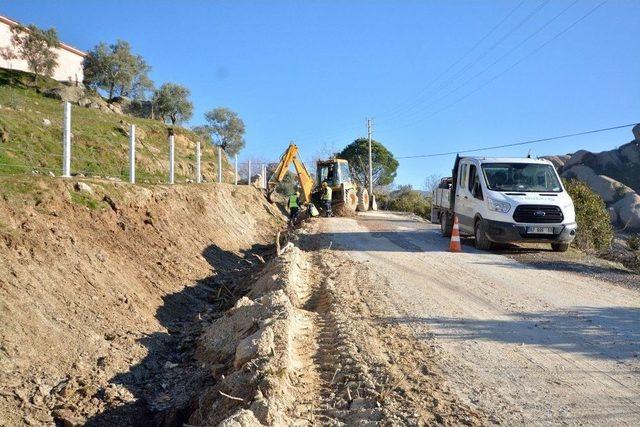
<point>327,193</point>
<point>293,201</point>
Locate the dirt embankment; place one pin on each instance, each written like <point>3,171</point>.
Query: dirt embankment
<point>99,289</point>
<point>310,345</point>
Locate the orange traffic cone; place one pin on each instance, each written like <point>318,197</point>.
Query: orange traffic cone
<point>454,246</point>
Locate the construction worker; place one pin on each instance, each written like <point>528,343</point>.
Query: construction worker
<point>294,207</point>
<point>326,198</point>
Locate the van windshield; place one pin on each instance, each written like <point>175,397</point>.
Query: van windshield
<point>521,177</point>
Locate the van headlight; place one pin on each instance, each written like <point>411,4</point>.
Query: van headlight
<point>498,206</point>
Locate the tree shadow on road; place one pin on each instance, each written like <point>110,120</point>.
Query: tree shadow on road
<point>595,332</point>
<point>166,383</point>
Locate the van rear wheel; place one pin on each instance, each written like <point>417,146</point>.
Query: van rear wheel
<point>446,226</point>
<point>482,242</point>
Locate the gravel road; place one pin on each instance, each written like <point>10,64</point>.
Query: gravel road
<point>525,344</point>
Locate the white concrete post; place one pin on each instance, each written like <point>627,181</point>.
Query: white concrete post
<point>171,158</point>
<point>219,164</point>
<point>249,177</point>
<point>236,169</point>
<point>264,176</point>
<point>66,141</point>
<point>198,158</point>
<point>132,154</point>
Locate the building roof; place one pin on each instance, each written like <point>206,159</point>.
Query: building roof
<point>64,46</point>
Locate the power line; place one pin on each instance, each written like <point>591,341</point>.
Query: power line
<point>520,143</point>
<point>512,66</point>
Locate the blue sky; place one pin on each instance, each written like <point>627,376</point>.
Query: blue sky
<point>434,75</point>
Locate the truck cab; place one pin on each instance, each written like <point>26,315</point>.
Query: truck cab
<point>505,200</point>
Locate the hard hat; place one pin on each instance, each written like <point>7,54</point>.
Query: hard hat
<point>324,183</point>
<point>297,193</point>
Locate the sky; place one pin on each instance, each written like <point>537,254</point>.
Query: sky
<point>435,76</point>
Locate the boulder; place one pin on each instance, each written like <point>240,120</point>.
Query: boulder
<point>606,187</point>
<point>558,161</point>
<point>46,122</point>
<point>628,211</point>
<point>83,187</point>
<point>576,158</point>
<point>66,93</point>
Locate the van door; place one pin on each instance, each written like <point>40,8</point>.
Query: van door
<point>463,204</point>
<point>475,193</point>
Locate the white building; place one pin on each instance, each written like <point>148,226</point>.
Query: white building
<point>70,59</point>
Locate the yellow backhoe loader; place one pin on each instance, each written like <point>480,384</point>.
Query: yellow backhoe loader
<point>334,171</point>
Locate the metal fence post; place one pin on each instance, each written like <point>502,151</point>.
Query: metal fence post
<point>219,164</point>
<point>236,169</point>
<point>66,141</point>
<point>171,158</point>
<point>198,157</point>
<point>132,154</point>
<point>249,177</point>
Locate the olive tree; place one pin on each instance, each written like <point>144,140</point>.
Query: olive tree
<point>226,129</point>
<point>37,48</point>
<point>171,102</point>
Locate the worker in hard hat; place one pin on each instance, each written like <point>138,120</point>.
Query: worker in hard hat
<point>326,198</point>
<point>294,207</point>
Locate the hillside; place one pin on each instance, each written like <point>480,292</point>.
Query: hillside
<point>31,136</point>
<point>613,174</point>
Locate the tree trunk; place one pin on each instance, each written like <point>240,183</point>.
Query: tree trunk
<point>111,89</point>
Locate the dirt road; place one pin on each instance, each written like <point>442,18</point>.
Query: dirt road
<point>523,344</point>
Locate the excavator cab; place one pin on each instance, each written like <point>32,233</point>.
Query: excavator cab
<point>334,171</point>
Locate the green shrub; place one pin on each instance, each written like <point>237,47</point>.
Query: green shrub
<point>633,242</point>
<point>594,224</point>
<point>407,200</point>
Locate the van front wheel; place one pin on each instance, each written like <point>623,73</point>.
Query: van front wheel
<point>482,242</point>
<point>560,247</point>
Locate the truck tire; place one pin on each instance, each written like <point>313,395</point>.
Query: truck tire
<point>482,242</point>
<point>446,225</point>
<point>363,200</point>
<point>434,216</point>
<point>560,247</point>
<point>351,202</point>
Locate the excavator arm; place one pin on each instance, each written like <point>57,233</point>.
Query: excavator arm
<point>304,178</point>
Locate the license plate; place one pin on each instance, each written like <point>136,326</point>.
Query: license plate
<point>540,230</point>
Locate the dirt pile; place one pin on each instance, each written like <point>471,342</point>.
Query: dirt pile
<point>250,350</point>
<point>103,293</point>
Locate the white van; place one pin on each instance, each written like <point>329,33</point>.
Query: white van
<point>506,200</point>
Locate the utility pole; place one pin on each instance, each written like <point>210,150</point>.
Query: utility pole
<point>369,131</point>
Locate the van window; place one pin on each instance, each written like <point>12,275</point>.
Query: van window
<point>463,175</point>
<point>472,177</point>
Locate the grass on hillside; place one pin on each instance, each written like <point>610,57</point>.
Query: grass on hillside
<point>100,145</point>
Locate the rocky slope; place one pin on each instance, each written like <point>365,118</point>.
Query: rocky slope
<point>613,174</point>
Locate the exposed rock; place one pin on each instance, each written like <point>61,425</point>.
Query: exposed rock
<point>66,93</point>
<point>83,187</point>
<point>628,210</point>
<point>558,161</point>
<point>46,122</point>
<point>4,135</point>
<point>606,187</point>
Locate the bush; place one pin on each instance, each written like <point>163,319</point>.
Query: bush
<point>633,242</point>
<point>594,224</point>
<point>406,200</point>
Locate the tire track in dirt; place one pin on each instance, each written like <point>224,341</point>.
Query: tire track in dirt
<point>364,370</point>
